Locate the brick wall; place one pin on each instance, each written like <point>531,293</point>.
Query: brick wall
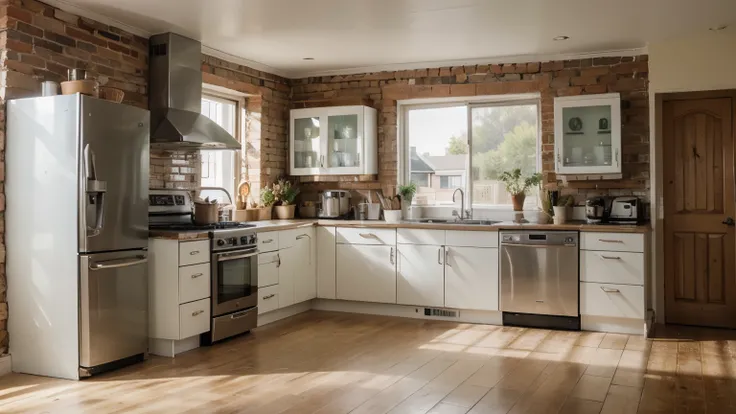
<point>626,75</point>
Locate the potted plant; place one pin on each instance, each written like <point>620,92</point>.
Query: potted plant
<point>518,186</point>
<point>285,194</point>
<point>268,198</point>
<point>560,210</point>
<point>407,193</point>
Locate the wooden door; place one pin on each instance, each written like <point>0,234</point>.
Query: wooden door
<point>698,144</point>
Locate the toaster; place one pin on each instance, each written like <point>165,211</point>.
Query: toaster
<point>626,210</point>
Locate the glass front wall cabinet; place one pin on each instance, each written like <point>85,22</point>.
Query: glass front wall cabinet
<point>339,140</point>
<point>588,134</point>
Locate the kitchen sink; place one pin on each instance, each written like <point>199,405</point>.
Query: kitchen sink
<point>462,222</point>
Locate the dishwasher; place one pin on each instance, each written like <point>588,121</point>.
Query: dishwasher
<point>539,279</point>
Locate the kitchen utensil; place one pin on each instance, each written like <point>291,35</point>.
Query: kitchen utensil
<point>361,211</point>
<point>76,74</point>
<point>111,94</point>
<point>85,87</point>
<point>205,212</point>
<point>49,88</point>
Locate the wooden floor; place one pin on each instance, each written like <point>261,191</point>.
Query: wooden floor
<point>322,362</point>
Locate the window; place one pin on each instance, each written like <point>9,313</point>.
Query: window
<point>469,145</point>
<point>451,181</point>
<point>218,166</point>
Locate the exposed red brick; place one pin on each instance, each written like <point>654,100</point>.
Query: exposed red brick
<point>86,36</point>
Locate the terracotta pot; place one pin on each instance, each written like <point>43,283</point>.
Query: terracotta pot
<point>518,200</point>
<point>285,212</point>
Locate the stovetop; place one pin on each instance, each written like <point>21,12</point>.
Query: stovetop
<point>223,225</point>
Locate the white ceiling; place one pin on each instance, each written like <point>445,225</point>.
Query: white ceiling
<point>364,35</point>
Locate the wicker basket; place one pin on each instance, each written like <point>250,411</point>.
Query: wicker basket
<point>85,87</point>
<point>111,94</point>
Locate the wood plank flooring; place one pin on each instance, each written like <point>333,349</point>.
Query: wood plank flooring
<point>326,363</point>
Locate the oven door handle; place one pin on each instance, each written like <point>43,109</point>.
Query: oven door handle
<point>224,258</point>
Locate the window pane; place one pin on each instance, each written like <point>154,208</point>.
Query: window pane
<point>218,167</point>
<point>503,138</point>
<point>437,152</point>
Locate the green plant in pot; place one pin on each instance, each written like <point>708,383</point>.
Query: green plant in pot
<point>518,186</point>
<point>268,198</point>
<point>407,192</point>
<point>285,195</point>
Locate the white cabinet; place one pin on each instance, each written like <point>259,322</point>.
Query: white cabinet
<point>333,140</point>
<point>305,271</point>
<point>366,273</point>
<point>420,275</point>
<point>326,275</point>
<point>471,278</point>
<point>286,276</point>
<point>588,134</point>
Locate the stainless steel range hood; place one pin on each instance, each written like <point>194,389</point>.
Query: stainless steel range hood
<point>175,97</point>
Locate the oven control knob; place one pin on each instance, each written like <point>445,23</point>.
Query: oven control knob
<point>221,242</point>
<point>253,239</point>
<point>244,240</point>
<point>233,241</point>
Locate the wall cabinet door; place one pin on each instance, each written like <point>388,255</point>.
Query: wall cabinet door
<point>366,273</point>
<point>326,276</point>
<point>333,140</point>
<point>287,267</point>
<point>588,134</point>
<point>305,276</point>
<point>471,278</point>
<point>420,275</point>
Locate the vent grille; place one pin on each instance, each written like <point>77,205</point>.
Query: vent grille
<point>445,313</point>
<point>159,50</point>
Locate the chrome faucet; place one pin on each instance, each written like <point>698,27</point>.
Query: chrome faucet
<point>463,214</point>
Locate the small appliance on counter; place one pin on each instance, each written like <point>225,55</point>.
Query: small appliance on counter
<point>626,210</point>
<point>335,204</point>
<point>597,209</point>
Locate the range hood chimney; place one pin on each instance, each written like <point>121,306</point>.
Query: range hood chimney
<point>175,97</point>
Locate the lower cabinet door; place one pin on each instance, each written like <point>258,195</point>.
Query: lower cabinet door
<point>194,318</point>
<point>268,299</point>
<point>420,275</point>
<point>366,273</point>
<point>305,274</point>
<point>471,278</point>
<point>287,268</point>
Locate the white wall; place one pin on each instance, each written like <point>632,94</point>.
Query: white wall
<point>701,61</point>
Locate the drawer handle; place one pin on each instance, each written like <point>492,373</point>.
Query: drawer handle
<point>278,260</point>
<point>302,236</point>
<point>197,312</point>
<point>267,297</point>
<point>196,275</point>
<point>610,241</point>
<point>447,257</point>
<point>610,257</point>
<point>391,256</point>
<point>242,314</point>
<point>610,290</point>
<point>193,252</point>
<point>367,235</point>
<point>267,241</point>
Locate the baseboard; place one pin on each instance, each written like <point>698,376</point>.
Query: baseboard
<point>403,311</point>
<point>170,347</point>
<point>278,314</point>
<point>6,366</point>
<point>614,325</point>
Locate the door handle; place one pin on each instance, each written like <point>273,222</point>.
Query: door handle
<point>610,290</point>
<point>447,257</point>
<point>269,296</point>
<point>610,257</point>
<point>729,221</point>
<point>112,264</point>
<point>278,259</point>
<point>439,256</point>
<point>196,275</point>
<point>197,312</point>
<point>391,257</point>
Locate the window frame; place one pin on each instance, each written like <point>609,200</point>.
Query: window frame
<point>218,93</point>
<point>403,107</point>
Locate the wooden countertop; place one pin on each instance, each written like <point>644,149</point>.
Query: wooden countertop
<point>275,225</point>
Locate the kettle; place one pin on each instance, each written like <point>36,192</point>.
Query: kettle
<point>335,203</point>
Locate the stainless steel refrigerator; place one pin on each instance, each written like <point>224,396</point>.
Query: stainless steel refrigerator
<point>76,234</point>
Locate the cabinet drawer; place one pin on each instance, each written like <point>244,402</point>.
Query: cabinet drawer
<point>268,299</point>
<point>268,241</point>
<point>472,238</point>
<point>268,268</point>
<point>194,282</point>
<point>194,252</point>
<point>194,318</point>
<point>612,267</point>
<point>618,301</point>
<point>614,242</point>
<point>366,236</point>
<point>420,236</point>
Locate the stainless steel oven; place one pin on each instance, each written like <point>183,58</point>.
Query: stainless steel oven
<point>234,283</point>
